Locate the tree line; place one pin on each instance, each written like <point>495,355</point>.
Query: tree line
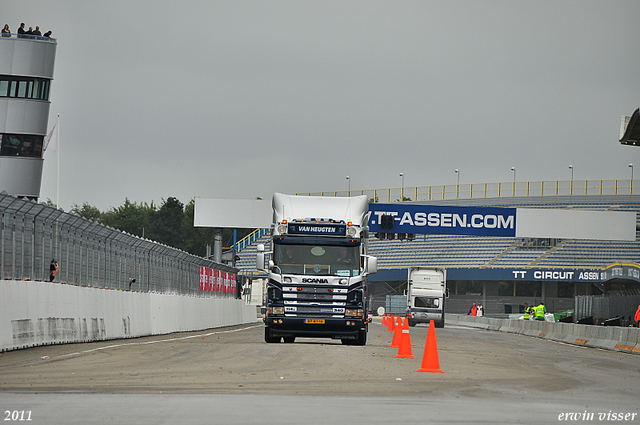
<point>171,223</point>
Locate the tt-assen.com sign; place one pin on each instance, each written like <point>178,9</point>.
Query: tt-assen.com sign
<point>449,220</point>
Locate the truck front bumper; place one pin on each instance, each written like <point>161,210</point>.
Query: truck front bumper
<point>426,316</point>
<point>318,327</point>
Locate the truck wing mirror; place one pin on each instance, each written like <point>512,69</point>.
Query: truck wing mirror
<point>260,257</point>
<point>372,265</point>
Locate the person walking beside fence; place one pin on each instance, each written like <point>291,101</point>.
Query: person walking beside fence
<point>637,317</point>
<point>527,311</point>
<point>53,270</point>
<point>473,310</point>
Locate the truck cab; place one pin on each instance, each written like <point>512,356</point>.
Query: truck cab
<point>317,269</point>
<point>426,295</point>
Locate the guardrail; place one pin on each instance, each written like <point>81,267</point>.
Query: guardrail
<point>605,337</point>
<point>28,37</point>
<point>493,190</point>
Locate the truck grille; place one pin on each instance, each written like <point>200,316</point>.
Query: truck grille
<point>315,310</point>
<point>312,300</point>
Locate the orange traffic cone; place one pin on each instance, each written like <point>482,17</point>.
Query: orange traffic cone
<point>405,344</point>
<point>392,325</point>
<point>430,362</point>
<point>397,335</point>
<point>405,325</point>
<point>384,320</point>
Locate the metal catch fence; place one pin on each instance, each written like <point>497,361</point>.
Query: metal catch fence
<point>90,254</point>
<point>602,307</point>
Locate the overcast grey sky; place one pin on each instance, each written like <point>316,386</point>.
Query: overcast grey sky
<point>231,99</point>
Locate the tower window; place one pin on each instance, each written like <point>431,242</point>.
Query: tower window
<point>21,145</point>
<point>24,87</point>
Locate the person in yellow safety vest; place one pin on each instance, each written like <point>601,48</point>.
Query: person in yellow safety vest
<point>526,311</point>
<point>539,311</point>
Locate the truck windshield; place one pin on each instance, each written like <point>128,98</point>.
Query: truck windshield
<point>427,302</point>
<point>322,260</point>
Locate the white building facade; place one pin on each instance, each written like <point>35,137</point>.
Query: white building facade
<point>26,72</point>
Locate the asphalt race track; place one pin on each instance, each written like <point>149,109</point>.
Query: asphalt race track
<point>230,375</point>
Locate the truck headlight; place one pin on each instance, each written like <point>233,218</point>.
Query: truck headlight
<point>351,231</point>
<point>353,312</point>
<point>277,310</point>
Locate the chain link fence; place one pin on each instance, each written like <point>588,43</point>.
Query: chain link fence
<point>32,235</point>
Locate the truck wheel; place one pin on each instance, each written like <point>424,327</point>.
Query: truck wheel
<point>412,323</point>
<point>360,340</point>
<point>289,339</point>
<point>270,339</point>
<point>440,324</point>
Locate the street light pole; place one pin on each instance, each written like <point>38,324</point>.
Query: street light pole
<point>571,184</point>
<point>513,188</point>
<point>349,179</point>
<point>457,182</point>
<point>402,188</point>
<point>631,166</point>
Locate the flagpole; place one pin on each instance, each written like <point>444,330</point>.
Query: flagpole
<point>58,163</point>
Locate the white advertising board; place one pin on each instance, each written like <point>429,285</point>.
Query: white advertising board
<point>576,224</point>
<point>233,213</point>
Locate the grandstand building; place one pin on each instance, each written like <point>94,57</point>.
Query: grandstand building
<point>503,273</point>
<point>26,72</point>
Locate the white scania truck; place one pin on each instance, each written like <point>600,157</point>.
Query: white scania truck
<point>426,295</point>
<point>317,269</point>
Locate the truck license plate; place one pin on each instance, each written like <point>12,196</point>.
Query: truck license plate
<point>314,321</point>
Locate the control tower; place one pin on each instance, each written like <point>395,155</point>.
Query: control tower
<point>26,71</point>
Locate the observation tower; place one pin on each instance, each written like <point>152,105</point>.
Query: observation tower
<point>26,71</point>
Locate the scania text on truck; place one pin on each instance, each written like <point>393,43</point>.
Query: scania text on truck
<point>317,270</point>
<point>426,295</point>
